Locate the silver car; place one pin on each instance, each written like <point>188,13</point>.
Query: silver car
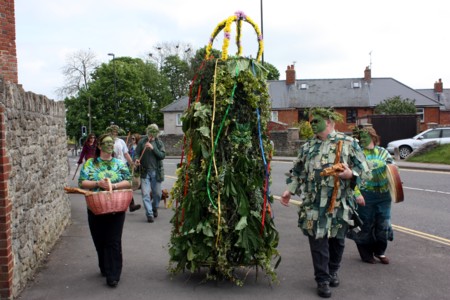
<point>406,146</point>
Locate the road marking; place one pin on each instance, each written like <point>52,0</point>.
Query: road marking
<point>423,235</point>
<point>420,234</point>
<point>426,190</point>
<point>424,171</point>
<point>413,232</point>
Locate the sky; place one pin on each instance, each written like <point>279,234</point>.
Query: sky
<point>403,39</point>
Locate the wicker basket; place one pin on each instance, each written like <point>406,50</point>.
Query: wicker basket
<point>109,202</point>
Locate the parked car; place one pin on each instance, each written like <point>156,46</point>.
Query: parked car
<point>406,146</point>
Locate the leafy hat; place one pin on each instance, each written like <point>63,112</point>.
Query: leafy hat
<point>152,130</point>
<point>326,113</point>
<point>112,128</point>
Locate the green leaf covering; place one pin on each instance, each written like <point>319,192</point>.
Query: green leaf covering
<point>225,234</point>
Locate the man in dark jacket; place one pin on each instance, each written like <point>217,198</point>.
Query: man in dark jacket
<point>150,153</point>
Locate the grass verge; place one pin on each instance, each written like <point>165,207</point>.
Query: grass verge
<point>438,155</point>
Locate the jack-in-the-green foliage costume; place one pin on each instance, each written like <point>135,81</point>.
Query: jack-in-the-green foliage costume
<point>223,217</point>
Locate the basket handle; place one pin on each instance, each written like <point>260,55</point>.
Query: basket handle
<point>109,185</point>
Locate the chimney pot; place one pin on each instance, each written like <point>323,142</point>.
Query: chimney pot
<point>438,86</point>
<point>367,75</point>
<point>290,75</point>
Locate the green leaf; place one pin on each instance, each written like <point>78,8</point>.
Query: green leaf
<point>190,254</point>
<point>208,231</point>
<point>204,131</point>
<point>242,223</point>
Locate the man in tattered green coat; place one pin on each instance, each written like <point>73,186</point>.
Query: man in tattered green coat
<point>324,217</point>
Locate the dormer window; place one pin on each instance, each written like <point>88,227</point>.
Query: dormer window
<point>356,84</point>
<point>304,86</point>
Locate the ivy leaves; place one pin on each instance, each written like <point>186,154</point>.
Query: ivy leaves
<point>229,231</point>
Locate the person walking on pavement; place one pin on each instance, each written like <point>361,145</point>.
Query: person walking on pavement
<point>121,152</point>
<point>89,147</point>
<point>325,214</point>
<point>151,152</point>
<point>106,229</point>
<point>374,200</point>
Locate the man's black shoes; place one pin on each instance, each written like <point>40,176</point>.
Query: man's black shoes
<point>334,280</point>
<point>323,289</point>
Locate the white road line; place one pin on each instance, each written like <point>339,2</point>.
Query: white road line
<point>426,190</point>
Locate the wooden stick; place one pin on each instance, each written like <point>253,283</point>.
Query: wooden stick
<point>75,172</point>
<point>336,177</point>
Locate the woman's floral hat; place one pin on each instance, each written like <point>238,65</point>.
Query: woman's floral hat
<point>152,130</point>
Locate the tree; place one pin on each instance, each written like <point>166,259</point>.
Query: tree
<point>140,94</point>
<point>274,74</point>
<point>396,106</point>
<point>164,50</point>
<point>178,75</point>
<point>77,72</point>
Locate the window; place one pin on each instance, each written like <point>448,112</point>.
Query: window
<point>421,114</point>
<point>304,86</point>
<point>352,113</point>
<point>445,133</point>
<point>178,120</point>
<point>274,116</point>
<point>356,84</point>
<point>433,134</point>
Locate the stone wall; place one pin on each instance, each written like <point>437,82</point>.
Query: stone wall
<point>34,157</point>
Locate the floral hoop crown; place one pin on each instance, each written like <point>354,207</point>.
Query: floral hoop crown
<point>238,17</point>
<point>326,113</point>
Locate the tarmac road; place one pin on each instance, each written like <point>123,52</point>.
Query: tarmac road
<point>418,269</point>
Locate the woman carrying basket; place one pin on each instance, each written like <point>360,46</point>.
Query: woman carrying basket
<point>97,175</point>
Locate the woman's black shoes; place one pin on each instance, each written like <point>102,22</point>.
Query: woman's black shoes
<point>112,283</point>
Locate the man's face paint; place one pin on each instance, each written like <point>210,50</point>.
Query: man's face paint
<point>107,145</point>
<point>318,124</point>
<point>364,139</point>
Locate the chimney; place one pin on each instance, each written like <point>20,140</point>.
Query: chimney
<point>438,86</point>
<point>290,75</point>
<point>8,56</point>
<point>367,75</point>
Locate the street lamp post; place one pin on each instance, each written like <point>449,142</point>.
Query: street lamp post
<point>89,107</point>
<point>262,31</point>
<point>115,81</point>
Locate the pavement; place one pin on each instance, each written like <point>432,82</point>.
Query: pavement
<point>417,269</point>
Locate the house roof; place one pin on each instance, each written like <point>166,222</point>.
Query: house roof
<point>177,106</point>
<point>442,98</point>
<point>337,92</point>
<point>342,92</point>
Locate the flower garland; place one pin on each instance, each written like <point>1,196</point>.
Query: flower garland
<point>238,17</point>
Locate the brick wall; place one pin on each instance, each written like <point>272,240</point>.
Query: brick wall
<point>6,257</point>
<point>288,116</point>
<point>8,58</point>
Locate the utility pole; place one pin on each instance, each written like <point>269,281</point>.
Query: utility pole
<point>262,31</point>
<point>115,81</point>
